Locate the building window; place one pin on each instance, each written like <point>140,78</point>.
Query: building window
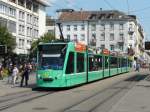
<point>121,47</point>
<point>29,4</point>
<point>21,15</point>
<point>21,29</point>
<point>102,37</point>
<point>112,47</point>
<point>75,38</point>
<point>111,26</point>
<point>121,26</point>
<point>93,27</point>
<point>29,42</point>
<point>12,11</point>
<point>29,31</point>
<point>12,26</point>
<point>111,37</point>
<point>68,37</point>
<point>35,7</point>
<point>102,46</point>
<point>35,33</point>
<point>29,18</point>
<point>102,27</point>
<point>21,43</point>
<point>68,27</point>
<point>93,40</point>
<point>82,37</point>
<point>3,22</point>
<point>75,27</point>
<point>83,27</point>
<point>35,21</point>
<point>8,10</point>
<point>21,2</point>
<point>121,36</point>
<point>131,37</point>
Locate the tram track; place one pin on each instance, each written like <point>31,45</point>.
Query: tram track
<point>12,100</point>
<point>99,99</point>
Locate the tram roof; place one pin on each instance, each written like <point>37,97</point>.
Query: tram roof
<point>50,43</point>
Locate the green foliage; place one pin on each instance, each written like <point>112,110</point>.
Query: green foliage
<point>48,37</point>
<point>7,39</point>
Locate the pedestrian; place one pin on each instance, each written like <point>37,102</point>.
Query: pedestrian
<point>138,66</point>
<point>25,75</point>
<point>15,72</point>
<point>10,69</point>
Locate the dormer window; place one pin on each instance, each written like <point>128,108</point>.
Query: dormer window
<point>21,2</point>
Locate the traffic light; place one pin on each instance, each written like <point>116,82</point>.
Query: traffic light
<point>3,49</point>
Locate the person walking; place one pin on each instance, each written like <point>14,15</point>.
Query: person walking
<point>15,72</point>
<point>25,75</point>
<point>10,69</point>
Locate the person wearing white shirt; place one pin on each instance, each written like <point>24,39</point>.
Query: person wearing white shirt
<point>14,74</point>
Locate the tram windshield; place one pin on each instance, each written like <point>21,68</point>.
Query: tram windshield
<point>51,56</point>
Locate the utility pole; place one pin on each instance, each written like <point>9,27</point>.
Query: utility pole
<point>87,47</point>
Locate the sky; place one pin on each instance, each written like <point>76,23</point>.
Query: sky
<point>140,8</point>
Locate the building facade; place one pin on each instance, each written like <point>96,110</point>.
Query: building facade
<point>25,19</point>
<point>110,29</point>
<point>50,25</point>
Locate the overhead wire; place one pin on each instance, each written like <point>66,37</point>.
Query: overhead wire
<point>112,7</point>
<point>139,10</point>
<point>128,7</point>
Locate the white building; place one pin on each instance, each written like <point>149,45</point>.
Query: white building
<point>109,29</point>
<point>25,19</point>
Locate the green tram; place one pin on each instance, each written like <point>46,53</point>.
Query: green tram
<point>61,65</point>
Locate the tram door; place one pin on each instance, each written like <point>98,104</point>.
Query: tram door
<point>106,66</point>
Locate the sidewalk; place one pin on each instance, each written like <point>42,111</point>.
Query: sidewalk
<point>6,89</point>
<point>137,99</point>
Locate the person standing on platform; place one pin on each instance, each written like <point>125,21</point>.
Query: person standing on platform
<point>25,75</point>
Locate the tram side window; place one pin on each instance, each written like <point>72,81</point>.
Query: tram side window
<point>119,62</point>
<point>70,64</point>
<point>98,63</point>
<point>124,62</point>
<point>113,62</point>
<point>95,63</point>
<point>91,63</point>
<point>80,62</point>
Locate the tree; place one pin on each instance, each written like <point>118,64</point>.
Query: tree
<point>48,37</point>
<point>7,39</point>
